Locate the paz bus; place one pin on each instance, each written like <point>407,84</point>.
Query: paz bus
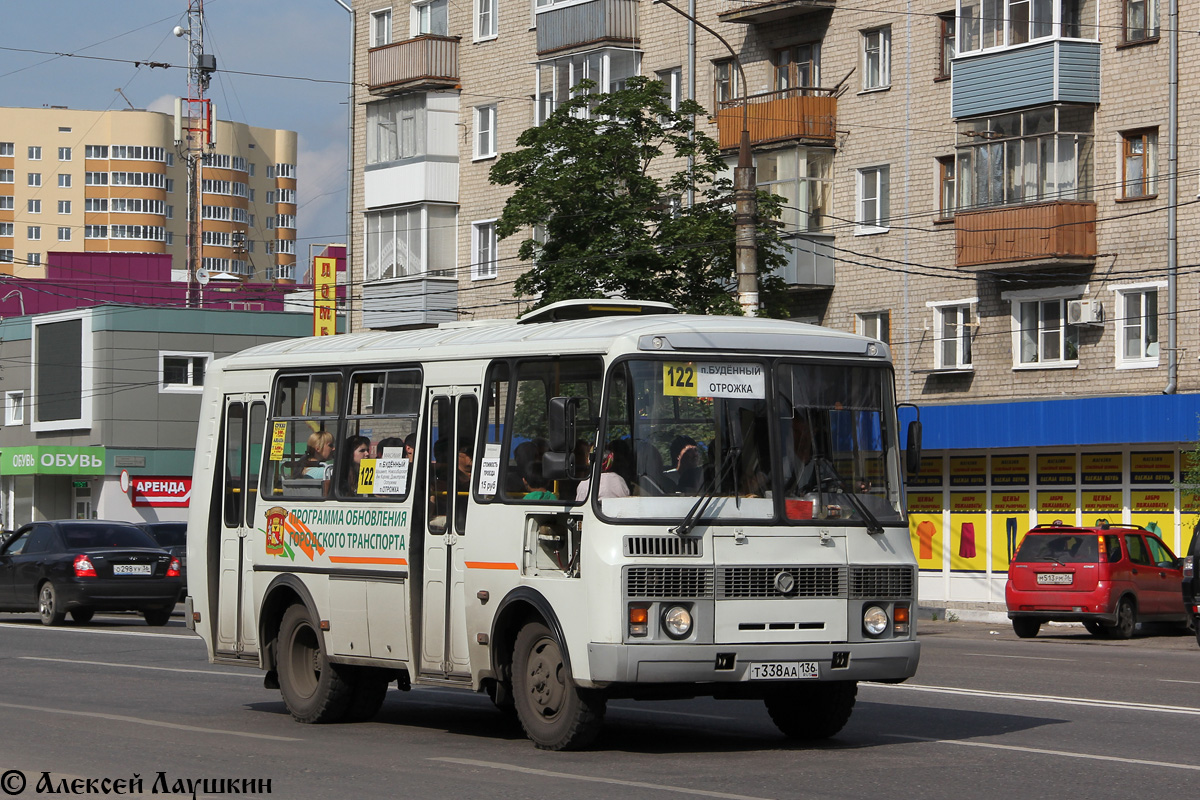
<point>597,500</point>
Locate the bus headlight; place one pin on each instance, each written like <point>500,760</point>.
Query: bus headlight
<point>875,621</point>
<point>677,622</point>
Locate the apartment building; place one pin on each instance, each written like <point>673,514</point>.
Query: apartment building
<point>114,181</point>
<point>982,184</point>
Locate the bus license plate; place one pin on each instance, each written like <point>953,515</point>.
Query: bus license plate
<point>1057,578</point>
<point>783,670</point>
<point>132,569</point>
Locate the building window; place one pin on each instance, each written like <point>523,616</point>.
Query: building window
<point>987,24</point>
<point>1137,325</point>
<point>946,44</point>
<point>725,82</point>
<point>873,192</point>
<point>33,233</point>
<point>62,377</point>
<point>64,154</point>
<point>875,324</point>
<point>556,78</point>
<point>64,234</point>
<point>485,131</point>
<point>396,129</point>
<point>33,179</point>
<point>672,81</point>
<point>1044,339</point>
<point>411,241</point>
<point>381,27</point>
<point>483,250</point>
<point>95,231</point>
<point>33,206</point>
<point>798,67</point>
<point>6,148</point>
<point>35,154</point>
<point>485,19</point>
<point>877,58</point>
<point>432,17</point>
<point>6,229</point>
<point>6,256</point>
<point>14,408</point>
<point>6,176</point>
<point>1028,156</point>
<point>803,177</point>
<point>947,193</point>
<point>182,372</point>
<point>1139,163</point>
<point>64,181</point>
<point>64,206</point>
<point>1141,20</point>
<point>33,259</point>
<point>7,202</point>
<point>953,325</point>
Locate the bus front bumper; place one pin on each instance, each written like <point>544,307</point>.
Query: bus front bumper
<point>894,660</point>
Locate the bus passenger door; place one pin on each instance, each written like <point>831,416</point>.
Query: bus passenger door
<point>243,429</point>
<point>452,415</point>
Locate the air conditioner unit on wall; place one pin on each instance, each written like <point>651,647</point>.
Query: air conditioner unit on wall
<point>1085,312</point>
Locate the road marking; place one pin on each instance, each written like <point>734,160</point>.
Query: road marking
<point>662,787</point>
<point>1044,752</point>
<point>1024,658</point>
<point>1044,698</point>
<point>18,626</point>
<point>670,713</point>
<point>1170,680</point>
<point>139,666</point>
<point>151,722</point>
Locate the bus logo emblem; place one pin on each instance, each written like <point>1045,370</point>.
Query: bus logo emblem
<point>785,583</point>
<point>275,518</point>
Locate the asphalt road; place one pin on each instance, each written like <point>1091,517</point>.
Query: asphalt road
<point>987,716</point>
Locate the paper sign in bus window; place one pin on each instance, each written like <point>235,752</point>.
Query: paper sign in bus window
<point>701,379</point>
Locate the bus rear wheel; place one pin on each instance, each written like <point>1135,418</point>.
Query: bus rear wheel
<point>313,690</point>
<point>555,713</point>
<point>812,710</point>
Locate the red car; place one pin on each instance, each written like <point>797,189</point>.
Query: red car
<point>1108,578</point>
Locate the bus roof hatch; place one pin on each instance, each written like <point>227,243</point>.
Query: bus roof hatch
<point>590,309</point>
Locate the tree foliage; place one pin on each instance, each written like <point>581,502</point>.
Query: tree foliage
<point>615,222</point>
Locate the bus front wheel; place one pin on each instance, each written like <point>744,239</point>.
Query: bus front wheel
<point>555,713</point>
<point>812,710</point>
<point>312,688</point>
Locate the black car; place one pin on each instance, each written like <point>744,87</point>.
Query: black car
<point>172,537</point>
<point>84,566</point>
<point>1191,582</point>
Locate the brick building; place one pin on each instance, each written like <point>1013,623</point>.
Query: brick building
<point>980,183</point>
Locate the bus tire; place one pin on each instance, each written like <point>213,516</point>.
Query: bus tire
<point>313,690</point>
<point>812,710</point>
<point>366,698</point>
<point>555,713</point>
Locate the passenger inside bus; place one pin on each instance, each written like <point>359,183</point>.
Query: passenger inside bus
<point>358,448</point>
<point>318,456</point>
<point>611,483</point>
<point>538,488</point>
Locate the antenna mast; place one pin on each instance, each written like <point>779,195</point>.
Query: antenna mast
<point>195,132</point>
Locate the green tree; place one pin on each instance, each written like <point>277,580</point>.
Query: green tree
<point>586,176</point>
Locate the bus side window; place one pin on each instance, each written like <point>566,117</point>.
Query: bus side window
<point>494,413</point>
<point>468,424</point>
<point>382,409</point>
<point>235,462</point>
<point>441,462</point>
<point>303,436</point>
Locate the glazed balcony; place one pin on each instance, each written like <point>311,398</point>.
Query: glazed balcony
<point>805,114</point>
<point>1061,233</point>
<point>772,11</point>
<point>590,24</point>
<point>426,62</point>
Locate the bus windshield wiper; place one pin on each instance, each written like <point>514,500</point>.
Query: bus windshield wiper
<point>708,493</point>
<point>839,483</point>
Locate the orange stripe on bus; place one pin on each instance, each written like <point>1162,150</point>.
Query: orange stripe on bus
<point>490,565</point>
<point>367,560</point>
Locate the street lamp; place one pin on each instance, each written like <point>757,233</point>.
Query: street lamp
<point>349,173</point>
<point>745,191</point>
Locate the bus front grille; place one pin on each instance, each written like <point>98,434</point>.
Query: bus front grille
<point>766,582</point>
<point>663,546</point>
<point>880,582</point>
<point>669,582</point>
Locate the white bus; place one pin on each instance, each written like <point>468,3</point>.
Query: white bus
<point>595,501</point>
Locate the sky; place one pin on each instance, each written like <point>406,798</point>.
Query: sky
<point>306,40</point>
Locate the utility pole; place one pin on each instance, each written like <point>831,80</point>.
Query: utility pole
<point>745,190</point>
<point>194,136</point>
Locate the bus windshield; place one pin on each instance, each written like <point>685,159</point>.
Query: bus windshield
<point>747,439</point>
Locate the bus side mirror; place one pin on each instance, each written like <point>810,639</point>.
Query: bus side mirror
<point>559,461</point>
<point>912,448</point>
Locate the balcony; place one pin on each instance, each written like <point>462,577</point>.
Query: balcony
<point>587,24</point>
<point>415,302</point>
<point>772,11</point>
<point>426,62</point>
<point>1061,233</point>
<point>810,261</point>
<point>1009,78</point>
<point>804,114</point>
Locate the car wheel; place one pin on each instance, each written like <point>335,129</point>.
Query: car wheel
<point>48,608</point>
<point>812,710</point>
<point>555,713</point>
<point>313,689</point>
<point>82,615</point>
<point>1095,628</point>
<point>1026,627</point>
<point>1196,624</point>
<point>1126,620</point>
<point>158,616</point>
